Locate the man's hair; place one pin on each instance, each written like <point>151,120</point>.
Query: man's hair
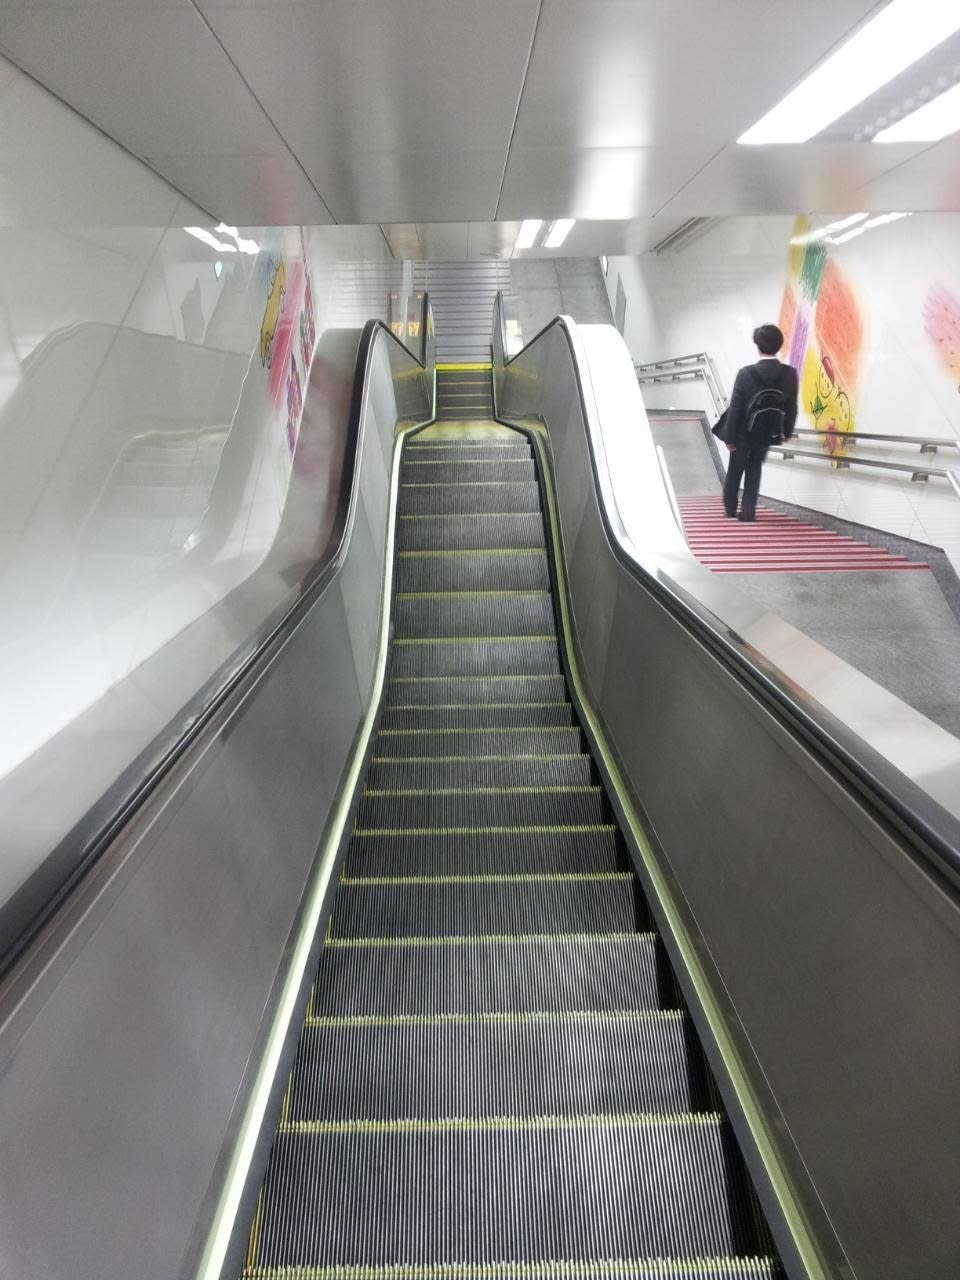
<point>768,339</point>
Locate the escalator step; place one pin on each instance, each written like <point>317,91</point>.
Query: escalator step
<point>479,450</point>
<point>482,810</point>
<point>574,1064</point>
<point>456,472</point>
<point>495,613</point>
<point>487,853</point>
<point>436,773</point>
<point>470,533</point>
<point>507,570</point>
<point>478,743</point>
<point>511,497</point>
<point>531,715</point>
<point>522,975</point>
<point>525,656</point>
<point>512,1190</point>
<point>488,906</point>
<point>445,690</point>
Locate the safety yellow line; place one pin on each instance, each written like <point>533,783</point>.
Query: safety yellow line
<point>533,1016</point>
<point>573,828</point>
<point>453,368</point>
<point>479,1124</point>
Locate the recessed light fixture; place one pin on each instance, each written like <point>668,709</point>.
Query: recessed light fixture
<point>558,233</point>
<point>929,123</point>
<point>901,33</point>
<point>528,233</point>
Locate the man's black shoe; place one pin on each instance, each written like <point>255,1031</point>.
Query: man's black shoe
<point>731,515</point>
<point>747,519</point>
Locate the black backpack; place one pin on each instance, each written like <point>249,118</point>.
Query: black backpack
<point>765,416</point>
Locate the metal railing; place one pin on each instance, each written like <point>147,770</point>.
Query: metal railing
<point>699,367</point>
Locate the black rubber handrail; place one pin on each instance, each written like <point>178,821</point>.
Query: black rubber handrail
<point>929,830</point>
<point>101,825</point>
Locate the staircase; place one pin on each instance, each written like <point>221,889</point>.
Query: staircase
<point>776,543</point>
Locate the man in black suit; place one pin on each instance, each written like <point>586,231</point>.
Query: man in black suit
<point>762,411</point>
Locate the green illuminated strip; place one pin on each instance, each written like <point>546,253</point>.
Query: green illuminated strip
<point>478,1124</point>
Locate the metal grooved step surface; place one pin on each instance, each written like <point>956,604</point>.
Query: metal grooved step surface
<point>496,1076</point>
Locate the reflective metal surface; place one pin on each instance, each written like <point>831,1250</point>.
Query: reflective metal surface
<point>827,934</point>
<point>128,1035</point>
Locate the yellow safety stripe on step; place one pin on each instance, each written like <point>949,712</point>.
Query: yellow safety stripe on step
<point>514,877</point>
<point>508,728</point>
<point>471,1019</point>
<point>716,1268</point>
<point>474,640</point>
<point>472,706</point>
<point>514,675</point>
<point>569,755</point>
<point>485,791</point>
<point>475,1124</point>
<point>462,367</point>
<point>471,595</point>
<point>464,484</point>
<point>412,941</point>
<point>476,551</point>
<point>573,829</point>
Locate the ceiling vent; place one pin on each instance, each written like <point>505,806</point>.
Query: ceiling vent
<point>681,235</point>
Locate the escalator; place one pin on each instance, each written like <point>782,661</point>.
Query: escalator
<point>496,1075</point>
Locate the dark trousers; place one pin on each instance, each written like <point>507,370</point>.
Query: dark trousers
<point>745,463</point>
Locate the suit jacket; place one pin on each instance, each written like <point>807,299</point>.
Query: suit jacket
<point>751,379</point>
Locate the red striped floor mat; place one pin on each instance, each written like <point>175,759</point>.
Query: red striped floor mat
<point>776,543</point>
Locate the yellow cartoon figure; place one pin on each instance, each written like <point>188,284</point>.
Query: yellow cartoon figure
<point>825,401</point>
<point>272,312</point>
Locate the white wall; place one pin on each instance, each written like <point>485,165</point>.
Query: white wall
<point>147,448</point>
<point>709,294</point>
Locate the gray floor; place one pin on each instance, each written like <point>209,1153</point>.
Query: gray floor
<point>897,627</point>
<point>547,287</point>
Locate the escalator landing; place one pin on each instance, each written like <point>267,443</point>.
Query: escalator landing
<point>496,1076</point>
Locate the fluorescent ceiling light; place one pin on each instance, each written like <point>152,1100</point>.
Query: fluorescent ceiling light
<point>892,41</point>
<point>879,221</point>
<point>245,246</point>
<point>209,238</point>
<point>928,123</point>
<point>558,233</point>
<point>528,233</point>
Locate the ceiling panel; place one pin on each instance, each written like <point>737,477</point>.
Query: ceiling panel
<point>617,73</point>
<point>154,77</point>
<point>398,109</point>
<point>622,182</point>
<point>929,181</point>
<point>267,189</point>
<point>814,177</point>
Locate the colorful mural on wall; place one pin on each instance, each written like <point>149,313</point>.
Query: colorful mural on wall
<point>941,320</point>
<point>823,326</point>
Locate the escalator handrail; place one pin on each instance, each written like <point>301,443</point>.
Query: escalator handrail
<point>931,832</point>
<point>237,674</point>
